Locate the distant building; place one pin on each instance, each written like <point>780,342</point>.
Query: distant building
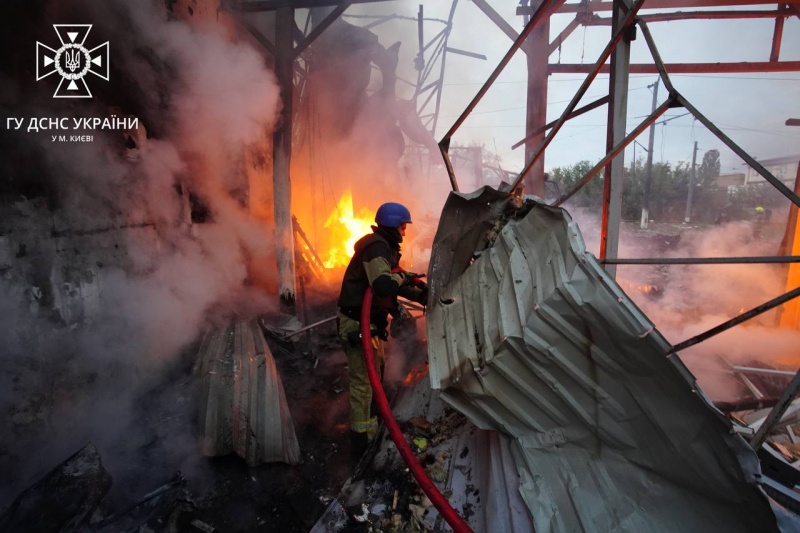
<point>729,180</point>
<point>783,168</point>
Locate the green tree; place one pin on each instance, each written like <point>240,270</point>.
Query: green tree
<point>663,187</point>
<point>668,190</point>
<point>709,168</point>
<point>567,177</point>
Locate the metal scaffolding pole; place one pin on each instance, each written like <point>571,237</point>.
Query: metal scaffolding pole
<point>777,412</point>
<point>617,117</point>
<point>536,46</point>
<point>282,156</point>
<point>704,260</point>
<point>618,34</point>
<point>763,308</point>
<point>686,68</point>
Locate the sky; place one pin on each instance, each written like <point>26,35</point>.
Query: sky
<point>750,108</point>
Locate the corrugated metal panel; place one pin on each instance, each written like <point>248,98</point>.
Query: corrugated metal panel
<point>495,471</point>
<point>243,407</point>
<point>528,335</point>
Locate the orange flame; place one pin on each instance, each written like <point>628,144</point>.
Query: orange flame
<point>345,229</point>
<point>416,374</point>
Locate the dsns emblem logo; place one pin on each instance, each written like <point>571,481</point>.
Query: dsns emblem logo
<point>72,61</point>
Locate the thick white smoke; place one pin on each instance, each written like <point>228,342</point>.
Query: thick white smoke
<point>143,294</point>
<point>687,300</point>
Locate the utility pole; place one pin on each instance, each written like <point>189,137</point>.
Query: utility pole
<point>688,215</point>
<point>648,174</point>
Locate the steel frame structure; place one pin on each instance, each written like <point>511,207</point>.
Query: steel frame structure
<point>290,43</point>
<point>625,18</point>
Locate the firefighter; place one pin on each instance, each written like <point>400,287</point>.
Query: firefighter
<point>375,264</point>
<point>758,221</point>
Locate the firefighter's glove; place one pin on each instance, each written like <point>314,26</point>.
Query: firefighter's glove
<point>414,279</point>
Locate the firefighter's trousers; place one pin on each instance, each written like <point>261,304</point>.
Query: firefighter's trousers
<point>363,415</point>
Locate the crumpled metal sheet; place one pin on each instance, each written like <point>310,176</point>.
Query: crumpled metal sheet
<point>528,335</point>
<point>243,407</point>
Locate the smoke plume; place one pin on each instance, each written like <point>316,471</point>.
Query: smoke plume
<point>686,300</point>
<point>105,283</point>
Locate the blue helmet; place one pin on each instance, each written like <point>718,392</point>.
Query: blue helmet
<point>392,215</point>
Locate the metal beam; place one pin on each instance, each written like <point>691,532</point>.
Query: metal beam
<point>464,53</point>
<point>578,112</point>
<point>271,5</point>
<point>441,44</point>
<point>419,61</point>
<point>698,15</point>
<point>444,146</point>
<point>755,165</point>
<point>445,38</point>
<point>745,405</point>
<point>544,11</point>
<point>685,68</point>
<point>321,27</point>
<point>378,21</point>
<point>702,260</point>
<point>614,171</point>
<point>777,35</point>
<point>777,412</point>
<point>592,7</point>
<point>594,69</point>
<point>282,156</point>
<point>438,51</point>
<point>763,371</point>
<point>257,35</point>
<point>536,103</point>
<point>659,63</point>
<point>763,308</point>
<point>566,32</point>
<point>499,21</point>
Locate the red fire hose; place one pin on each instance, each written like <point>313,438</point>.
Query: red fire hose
<point>440,502</point>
